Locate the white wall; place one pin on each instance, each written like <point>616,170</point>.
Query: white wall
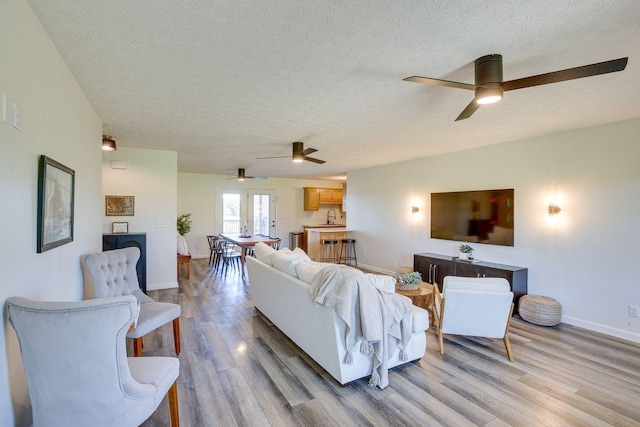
<point>584,258</point>
<point>58,121</point>
<point>197,194</point>
<point>150,177</point>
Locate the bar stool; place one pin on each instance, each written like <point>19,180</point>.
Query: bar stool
<point>330,251</point>
<point>348,252</point>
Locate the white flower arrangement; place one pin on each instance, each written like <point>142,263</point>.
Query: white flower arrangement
<point>410,281</point>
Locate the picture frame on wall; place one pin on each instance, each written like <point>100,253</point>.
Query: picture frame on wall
<point>119,205</point>
<point>119,227</point>
<point>56,188</point>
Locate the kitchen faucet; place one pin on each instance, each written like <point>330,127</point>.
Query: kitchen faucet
<point>331,216</point>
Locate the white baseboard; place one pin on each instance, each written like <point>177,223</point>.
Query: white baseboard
<point>158,286</point>
<point>596,327</point>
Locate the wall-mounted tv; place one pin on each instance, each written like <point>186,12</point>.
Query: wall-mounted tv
<point>484,216</point>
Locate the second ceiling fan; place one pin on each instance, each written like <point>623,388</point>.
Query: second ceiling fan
<point>299,154</point>
<point>489,86</point>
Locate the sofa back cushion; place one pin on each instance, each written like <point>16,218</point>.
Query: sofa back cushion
<point>384,283</point>
<point>307,270</point>
<point>264,252</point>
<point>286,261</point>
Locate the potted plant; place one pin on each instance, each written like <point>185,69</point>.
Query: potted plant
<point>184,223</point>
<point>466,252</point>
<point>410,281</point>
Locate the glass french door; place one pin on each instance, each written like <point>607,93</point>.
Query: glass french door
<point>251,211</point>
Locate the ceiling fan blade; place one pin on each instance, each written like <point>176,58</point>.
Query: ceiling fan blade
<point>318,161</point>
<point>469,110</point>
<point>568,74</point>
<point>273,157</point>
<point>256,177</point>
<point>308,151</point>
<point>447,83</point>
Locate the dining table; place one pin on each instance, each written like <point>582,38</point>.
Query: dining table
<point>245,242</point>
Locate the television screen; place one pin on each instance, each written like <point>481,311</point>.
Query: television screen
<point>484,216</point>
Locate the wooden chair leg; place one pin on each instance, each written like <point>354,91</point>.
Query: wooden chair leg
<point>440,341</point>
<point>176,334</point>
<point>173,405</point>
<point>507,344</point>
<point>137,347</point>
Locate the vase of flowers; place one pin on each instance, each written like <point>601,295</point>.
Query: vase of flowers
<point>466,252</point>
<point>410,281</point>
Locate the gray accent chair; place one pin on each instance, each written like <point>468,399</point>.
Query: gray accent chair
<point>76,365</point>
<point>113,274</point>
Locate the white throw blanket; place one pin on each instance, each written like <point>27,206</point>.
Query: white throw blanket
<point>381,320</point>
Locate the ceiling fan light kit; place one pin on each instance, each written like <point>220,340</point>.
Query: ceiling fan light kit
<point>241,175</point>
<point>489,86</point>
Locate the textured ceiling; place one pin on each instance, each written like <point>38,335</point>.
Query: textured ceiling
<point>223,82</point>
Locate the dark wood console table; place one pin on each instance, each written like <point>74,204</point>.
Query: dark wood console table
<point>434,268</point>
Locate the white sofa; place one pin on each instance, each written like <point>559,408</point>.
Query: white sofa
<point>286,301</point>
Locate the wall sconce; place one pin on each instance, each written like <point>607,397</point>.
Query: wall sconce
<point>108,144</point>
<point>415,209</point>
<point>554,209</point>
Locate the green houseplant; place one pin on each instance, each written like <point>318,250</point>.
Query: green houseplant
<point>466,251</point>
<point>184,223</point>
<point>410,281</point>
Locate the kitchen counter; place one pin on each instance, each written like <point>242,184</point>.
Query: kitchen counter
<point>305,238</point>
<point>315,236</point>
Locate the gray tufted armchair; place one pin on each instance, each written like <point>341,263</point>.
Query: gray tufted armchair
<point>77,369</point>
<point>113,274</point>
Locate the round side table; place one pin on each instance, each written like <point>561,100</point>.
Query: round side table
<point>421,297</point>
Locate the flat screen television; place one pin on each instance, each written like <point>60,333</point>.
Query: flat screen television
<point>484,216</point>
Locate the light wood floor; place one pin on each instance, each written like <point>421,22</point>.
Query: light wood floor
<point>238,369</point>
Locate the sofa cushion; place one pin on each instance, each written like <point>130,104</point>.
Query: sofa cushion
<point>383,282</point>
<point>286,262</point>
<point>300,253</point>
<point>307,271</point>
<point>264,252</point>
<point>419,320</point>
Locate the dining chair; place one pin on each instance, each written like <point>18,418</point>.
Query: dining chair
<point>112,274</point>
<point>230,256</point>
<point>76,365</point>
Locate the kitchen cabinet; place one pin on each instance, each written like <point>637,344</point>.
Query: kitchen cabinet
<point>111,241</point>
<point>314,197</point>
<point>311,199</point>
<point>331,196</point>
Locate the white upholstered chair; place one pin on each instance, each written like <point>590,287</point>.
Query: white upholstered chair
<point>479,307</point>
<point>76,365</point>
<point>112,274</point>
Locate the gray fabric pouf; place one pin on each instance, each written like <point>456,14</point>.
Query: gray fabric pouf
<point>539,310</point>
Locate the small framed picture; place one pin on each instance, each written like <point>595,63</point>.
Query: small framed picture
<point>119,227</point>
<point>119,205</point>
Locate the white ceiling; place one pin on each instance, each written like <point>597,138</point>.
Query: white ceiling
<point>223,82</point>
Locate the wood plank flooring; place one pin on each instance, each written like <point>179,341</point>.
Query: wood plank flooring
<point>237,369</point>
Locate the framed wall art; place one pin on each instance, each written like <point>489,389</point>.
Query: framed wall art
<point>56,186</point>
<point>119,206</point>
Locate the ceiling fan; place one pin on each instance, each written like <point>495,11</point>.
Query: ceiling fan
<point>489,85</point>
<point>242,176</point>
<point>299,154</point>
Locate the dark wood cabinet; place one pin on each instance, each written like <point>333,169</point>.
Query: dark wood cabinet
<point>516,276</point>
<point>434,268</point>
<point>112,241</point>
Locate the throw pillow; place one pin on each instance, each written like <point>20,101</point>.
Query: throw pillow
<point>264,252</point>
<point>302,254</point>
<point>183,249</point>
<point>382,282</point>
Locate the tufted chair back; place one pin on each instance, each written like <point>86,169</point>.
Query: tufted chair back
<point>113,273</point>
